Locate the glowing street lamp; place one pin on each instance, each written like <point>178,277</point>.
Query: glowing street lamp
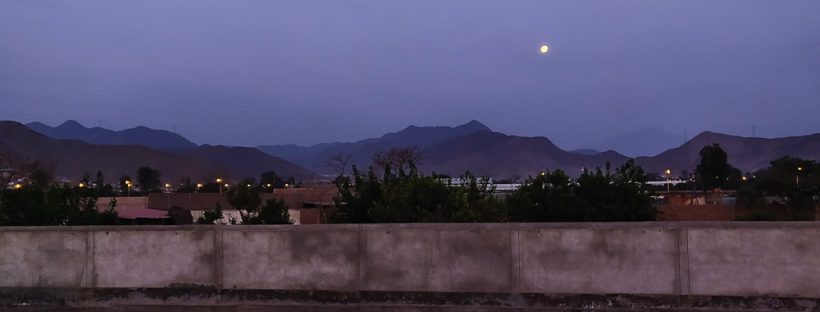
<point>18,186</point>
<point>81,185</point>
<point>198,186</point>
<point>668,180</point>
<point>128,186</point>
<point>219,181</point>
<point>797,176</point>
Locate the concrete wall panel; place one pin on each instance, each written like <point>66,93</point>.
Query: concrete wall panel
<point>43,259</point>
<point>287,257</point>
<point>467,258</point>
<point>598,260</point>
<point>157,258</point>
<point>755,261</point>
<point>708,259</point>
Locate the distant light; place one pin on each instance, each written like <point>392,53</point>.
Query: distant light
<point>198,185</point>
<point>249,185</point>
<point>18,186</point>
<point>544,49</point>
<point>82,185</point>
<point>226,184</point>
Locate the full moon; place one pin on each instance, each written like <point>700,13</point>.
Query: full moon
<point>544,49</point>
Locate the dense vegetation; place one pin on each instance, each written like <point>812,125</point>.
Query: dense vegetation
<point>399,196</point>
<point>53,205</point>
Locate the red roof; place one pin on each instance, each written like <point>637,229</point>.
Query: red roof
<point>140,213</point>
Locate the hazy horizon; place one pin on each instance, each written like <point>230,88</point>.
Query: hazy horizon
<point>306,72</point>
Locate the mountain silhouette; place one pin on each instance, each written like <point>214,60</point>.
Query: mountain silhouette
<point>315,157</point>
<point>157,139</point>
<point>73,158</point>
<point>744,153</point>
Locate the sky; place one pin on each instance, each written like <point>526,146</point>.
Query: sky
<point>248,72</point>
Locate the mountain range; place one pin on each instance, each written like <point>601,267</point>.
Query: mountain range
<point>72,158</point>
<point>76,150</point>
<point>157,139</point>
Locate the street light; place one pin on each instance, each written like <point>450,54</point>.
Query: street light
<point>128,186</point>
<point>668,182</point>
<point>81,185</point>
<point>18,186</point>
<point>168,187</point>
<point>219,181</point>
<point>797,176</point>
<point>198,186</point>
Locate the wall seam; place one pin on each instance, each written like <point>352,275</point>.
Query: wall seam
<point>518,246</point>
<point>688,275</point>
<point>93,282</point>
<point>219,264</point>
<point>678,281</point>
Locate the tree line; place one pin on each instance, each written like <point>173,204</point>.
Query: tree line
<point>407,195</point>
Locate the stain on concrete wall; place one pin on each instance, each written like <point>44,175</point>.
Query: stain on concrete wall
<point>157,258</point>
<point>287,257</point>
<point>43,258</point>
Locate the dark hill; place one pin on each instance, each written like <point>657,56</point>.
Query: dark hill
<point>248,162</point>
<point>361,152</point>
<point>506,156</point>
<point>156,139</point>
<point>73,158</point>
<point>746,154</point>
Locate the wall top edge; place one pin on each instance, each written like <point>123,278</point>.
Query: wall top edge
<point>431,226</point>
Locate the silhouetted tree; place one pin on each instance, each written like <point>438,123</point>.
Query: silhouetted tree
<point>270,177</point>
<point>149,179</point>
<point>274,211</point>
<point>713,169</point>
<point>245,196</point>
<point>211,216</point>
<point>99,182</point>
<point>780,181</point>
<point>339,162</point>
<point>409,196</point>
<point>53,205</point>
<point>399,159</point>
<point>594,196</point>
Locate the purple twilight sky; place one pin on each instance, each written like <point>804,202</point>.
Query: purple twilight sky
<point>249,72</point>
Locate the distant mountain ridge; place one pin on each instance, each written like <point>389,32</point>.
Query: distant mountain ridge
<point>744,153</point>
<point>508,156</point>
<point>314,157</point>
<point>454,150</point>
<point>449,150</point>
<point>158,139</point>
<point>477,148</point>
<point>74,158</point>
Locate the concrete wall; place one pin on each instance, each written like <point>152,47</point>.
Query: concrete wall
<point>653,258</point>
